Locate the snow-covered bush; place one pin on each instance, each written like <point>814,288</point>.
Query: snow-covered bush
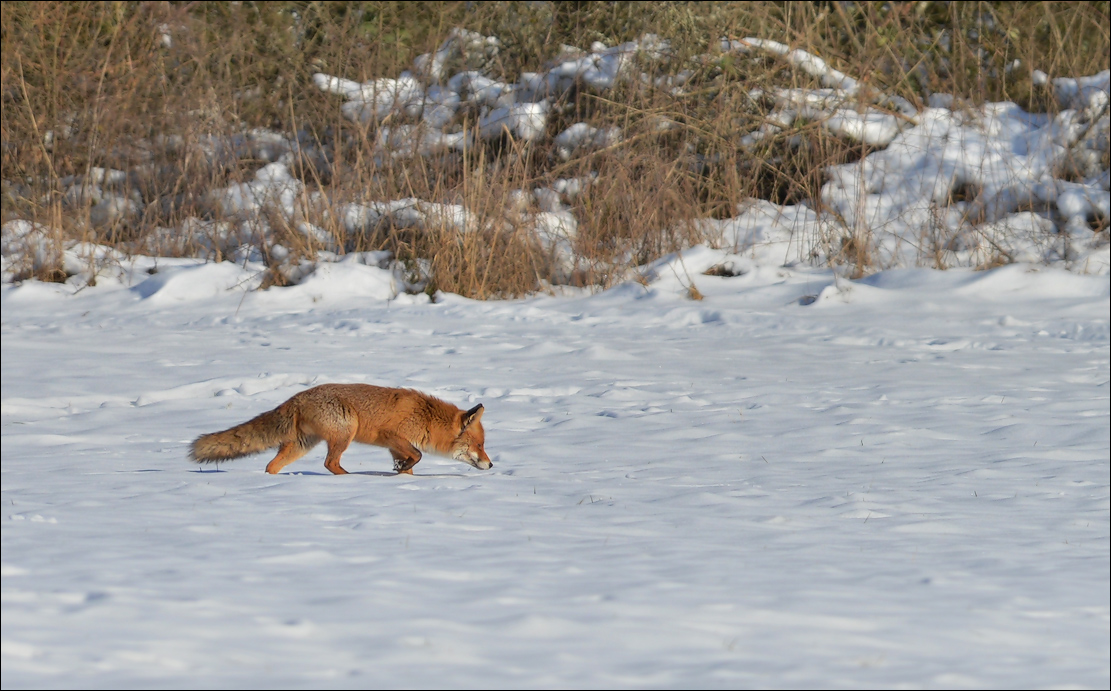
<point>557,148</point>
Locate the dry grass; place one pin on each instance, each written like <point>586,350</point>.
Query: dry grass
<point>90,85</point>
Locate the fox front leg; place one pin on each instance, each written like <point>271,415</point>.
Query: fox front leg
<point>405,456</point>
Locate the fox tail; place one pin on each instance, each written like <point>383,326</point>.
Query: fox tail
<point>258,434</point>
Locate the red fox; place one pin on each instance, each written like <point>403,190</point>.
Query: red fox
<point>403,420</point>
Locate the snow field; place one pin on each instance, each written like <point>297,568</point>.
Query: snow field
<point>798,480</point>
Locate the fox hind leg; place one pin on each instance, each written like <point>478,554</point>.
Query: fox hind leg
<point>290,452</point>
<point>336,446</point>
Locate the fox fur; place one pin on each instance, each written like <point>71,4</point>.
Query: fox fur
<point>405,421</point>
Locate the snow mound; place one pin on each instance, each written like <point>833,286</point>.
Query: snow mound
<point>195,283</point>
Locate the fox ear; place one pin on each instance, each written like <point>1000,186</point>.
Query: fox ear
<point>471,416</point>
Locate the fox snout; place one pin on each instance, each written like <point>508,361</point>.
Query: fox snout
<point>476,458</point>
<point>480,461</point>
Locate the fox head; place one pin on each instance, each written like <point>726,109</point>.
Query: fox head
<point>469,443</point>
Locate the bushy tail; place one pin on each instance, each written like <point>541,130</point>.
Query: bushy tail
<point>259,434</point>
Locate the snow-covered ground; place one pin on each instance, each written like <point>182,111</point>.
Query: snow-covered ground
<point>792,480</point>
<point>797,480</point>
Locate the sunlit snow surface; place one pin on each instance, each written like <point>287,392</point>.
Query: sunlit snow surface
<point>904,481</point>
